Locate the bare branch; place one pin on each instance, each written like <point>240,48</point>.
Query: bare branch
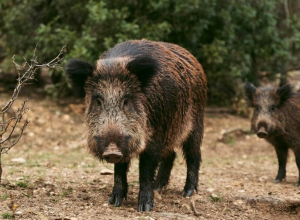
<point>30,72</point>
<point>21,111</point>
<point>6,149</point>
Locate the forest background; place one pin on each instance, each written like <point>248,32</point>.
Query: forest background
<point>234,40</point>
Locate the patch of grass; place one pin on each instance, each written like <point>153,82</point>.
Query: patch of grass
<point>74,182</point>
<point>143,217</point>
<point>7,215</point>
<point>230,140</point>
<point>66,192</point>
<point>216,198</point>
<point>4,197</point>
<point>92,165</point>
<point>23,183</point>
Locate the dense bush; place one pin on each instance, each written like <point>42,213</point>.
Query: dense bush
<point>234,40</point>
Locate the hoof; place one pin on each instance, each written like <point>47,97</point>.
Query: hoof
<point>276,181</point>
<point>188,193</point>
<point>144,208</point>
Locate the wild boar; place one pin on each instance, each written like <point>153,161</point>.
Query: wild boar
<point>143,98</point>
<point>276,117</point>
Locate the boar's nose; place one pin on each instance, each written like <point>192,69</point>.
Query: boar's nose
<point>112,154</point>
<point>262,133</point>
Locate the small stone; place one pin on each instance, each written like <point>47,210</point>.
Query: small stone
<point>215,196</point>
<point>31,134</point>
<point>18,212</point>
<point>106,172</point>
<point>210,190</point>
<point>66,117</point>
<point>238,202</point>
<point>148,218</point>
<point>18,160</point>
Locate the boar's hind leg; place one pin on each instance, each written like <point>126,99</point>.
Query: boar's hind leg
<point>297,155</point>
<point>191,151</point>
<point>164,171</point>
<point>120,184</point>
<point>282,153</point>
<point>148,164</point>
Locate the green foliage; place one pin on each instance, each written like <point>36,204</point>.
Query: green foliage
<point>66,192</point>
<point>235,41</point>
<point>4,196</point>
<point>216,198</point>
<point>23,183</point>
<point>7,215</point>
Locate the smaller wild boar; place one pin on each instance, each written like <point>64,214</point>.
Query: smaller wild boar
<point>276,117</point>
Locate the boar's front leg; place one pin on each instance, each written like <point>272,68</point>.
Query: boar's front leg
<point>282,153</point>
<point>148,164</point>
<point>120,184</point>
<point>297,156</point>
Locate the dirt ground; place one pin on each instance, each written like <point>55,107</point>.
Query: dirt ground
<point>51,175</point>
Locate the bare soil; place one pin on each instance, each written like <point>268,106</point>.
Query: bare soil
<point>51,175</point>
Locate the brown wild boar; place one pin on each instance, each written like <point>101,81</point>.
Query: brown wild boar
<point>143,98</point>
<point>276,117</point>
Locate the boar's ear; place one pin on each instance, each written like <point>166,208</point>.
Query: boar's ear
<point>250,89</point>
<point>144,68</point>
<point>78,72</point>
<point>285,92</point>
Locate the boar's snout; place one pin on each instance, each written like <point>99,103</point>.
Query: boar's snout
<point>262,133</point>
<point>112,154</point>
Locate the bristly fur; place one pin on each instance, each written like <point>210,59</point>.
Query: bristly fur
<point>147,98</point>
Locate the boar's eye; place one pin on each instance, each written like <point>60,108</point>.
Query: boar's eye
<point>272,108</point>
<point>126,105</point>
<point>256,107</point>
<point>99,102</point>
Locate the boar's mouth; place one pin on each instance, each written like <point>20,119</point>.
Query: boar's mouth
<point>112,154</point>
<point>262,133</point>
